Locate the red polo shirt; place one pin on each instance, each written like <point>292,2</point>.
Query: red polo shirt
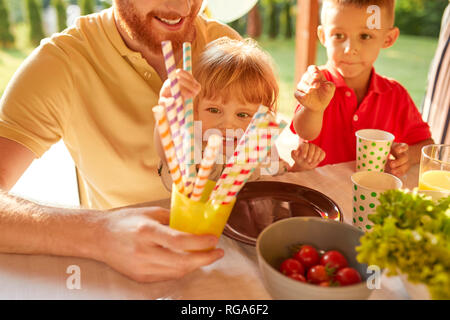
<point>387,106</point>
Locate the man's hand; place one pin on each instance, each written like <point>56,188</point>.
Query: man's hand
<point>314,92</point>
<point>400,164</point>
<point>307,157</point>
<point>138,243</point>
<point>189,87</point>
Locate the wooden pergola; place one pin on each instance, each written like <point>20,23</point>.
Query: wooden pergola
<point>306,35</point>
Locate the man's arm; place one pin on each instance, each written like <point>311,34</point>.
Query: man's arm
<point>14,160</point>
<point>24,226</point>
<point>27,228</point>
<point>133,241</point>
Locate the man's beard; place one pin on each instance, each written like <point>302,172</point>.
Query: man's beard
<point>140,28</point>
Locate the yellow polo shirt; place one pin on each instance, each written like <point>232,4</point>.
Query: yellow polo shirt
<point>87,87</point>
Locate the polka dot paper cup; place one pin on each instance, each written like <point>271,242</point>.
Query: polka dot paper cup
<point>372,149</point>
<point>367,186</point>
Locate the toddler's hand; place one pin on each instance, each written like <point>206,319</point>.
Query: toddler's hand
<point>307,157</point>
<point>314,91</point>
<point>188,85</point>
<point>400,164</point>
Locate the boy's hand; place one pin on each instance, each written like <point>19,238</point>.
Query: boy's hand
<point>314,91</point>
<point>307,157</point>
<point>188,85</point>
<point>400,164</point>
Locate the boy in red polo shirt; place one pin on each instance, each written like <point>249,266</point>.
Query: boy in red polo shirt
<point>347,95</point>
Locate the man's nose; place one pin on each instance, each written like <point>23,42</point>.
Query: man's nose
<point>181,7</point>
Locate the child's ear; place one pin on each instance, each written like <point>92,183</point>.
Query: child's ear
<point>390,38</point>
<point>321,34</point>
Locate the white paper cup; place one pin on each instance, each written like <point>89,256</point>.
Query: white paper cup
<point>372,149</point>
<point>367,186</point>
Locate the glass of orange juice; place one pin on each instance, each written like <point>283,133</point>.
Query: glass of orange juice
<point>434,175</point>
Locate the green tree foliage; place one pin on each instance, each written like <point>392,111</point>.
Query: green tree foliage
<point>254,22</point>
<point>414,17</point>
<point>105,4</point>
<point>289,32</point>
<point>240,25</point>
<point>274,18</point>
<point>6,37</point>
<point>16,10</point>
<point>87,6</point>
<point>273,15</point>
<point>35,21</point>
<point>420,17</point>
<point>61,13</point>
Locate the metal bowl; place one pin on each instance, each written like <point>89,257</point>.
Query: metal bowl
<point>261,203</point>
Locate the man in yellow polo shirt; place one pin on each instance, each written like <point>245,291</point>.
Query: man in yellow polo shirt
<point>94,86</point>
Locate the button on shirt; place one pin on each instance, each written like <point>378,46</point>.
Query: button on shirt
<point>386,106</point>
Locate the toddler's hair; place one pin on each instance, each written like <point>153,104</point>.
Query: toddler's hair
<point>237,68</point>
<point>388,4</point>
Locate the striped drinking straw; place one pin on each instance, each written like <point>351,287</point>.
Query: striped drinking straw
<point>176,134</point>
<point>240,173</point>
<point>257,117</point>
<point>206,166</point>
<point>169,60</point>
<point>261,143</point>
<point>269,140</point>
<point>244,163</point>
<point>269,137</point>
<point>189,123</point>
<point>168,146</point>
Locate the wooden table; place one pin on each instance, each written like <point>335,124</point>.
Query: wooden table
<point>235,276</point>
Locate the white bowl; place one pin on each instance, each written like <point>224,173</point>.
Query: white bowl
<point>273,246</point>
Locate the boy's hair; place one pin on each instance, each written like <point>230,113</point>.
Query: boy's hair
<point>237,68</point>
<point>388,4</point>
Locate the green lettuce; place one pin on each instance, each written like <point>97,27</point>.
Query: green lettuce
<point>411,235</point>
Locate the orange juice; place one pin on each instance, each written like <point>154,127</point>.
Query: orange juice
<point>435,180</point>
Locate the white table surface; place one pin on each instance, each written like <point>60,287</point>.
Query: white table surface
<point>235,276</point>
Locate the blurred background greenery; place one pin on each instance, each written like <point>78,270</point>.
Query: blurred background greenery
<point>272,22</point>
